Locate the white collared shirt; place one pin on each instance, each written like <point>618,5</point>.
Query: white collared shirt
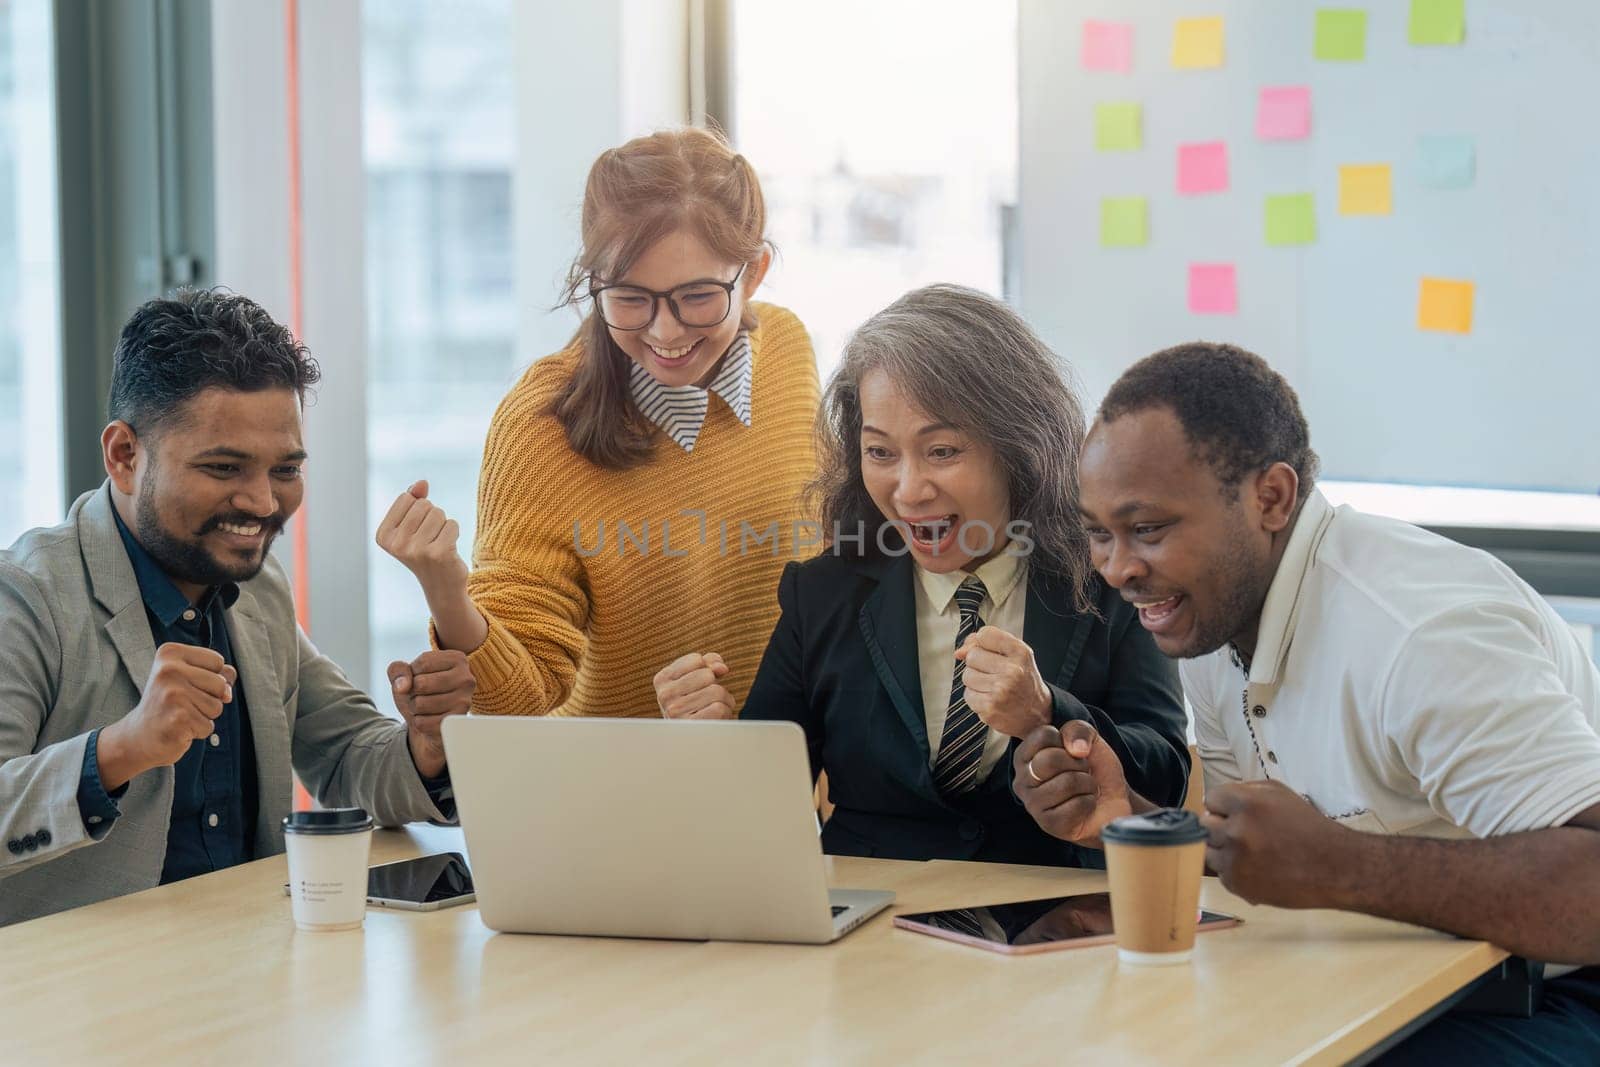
<point>680,410</point>
<point>1404,684</point>
<point>938,622</point>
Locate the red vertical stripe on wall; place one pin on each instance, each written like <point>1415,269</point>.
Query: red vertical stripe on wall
<point>301,543</point>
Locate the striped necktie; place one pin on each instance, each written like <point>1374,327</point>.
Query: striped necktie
<point>955,768</point>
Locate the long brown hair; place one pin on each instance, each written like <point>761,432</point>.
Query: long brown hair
<point>637,194</point>
<point>968,360</point>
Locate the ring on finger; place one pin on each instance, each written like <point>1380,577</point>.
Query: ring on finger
<point>1034,774</point>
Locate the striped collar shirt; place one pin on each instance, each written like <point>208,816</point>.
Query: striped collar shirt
<point>680,410</point>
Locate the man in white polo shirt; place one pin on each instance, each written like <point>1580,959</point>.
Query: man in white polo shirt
<point>1389,722</point>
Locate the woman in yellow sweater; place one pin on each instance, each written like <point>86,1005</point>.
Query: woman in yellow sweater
<point>640,488</point>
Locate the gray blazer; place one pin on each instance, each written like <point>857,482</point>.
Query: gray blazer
<point>75,653</point>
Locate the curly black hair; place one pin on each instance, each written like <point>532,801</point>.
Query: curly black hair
<point>1239,414</point>
<point>173,349</point>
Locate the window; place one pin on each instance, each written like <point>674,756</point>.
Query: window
<point>438,139</point>
<point>30,379</point>
<point>885,135</point>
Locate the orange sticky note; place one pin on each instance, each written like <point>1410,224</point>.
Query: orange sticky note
<point>1366,189</point>
<point>1445,305</point>
<point>1197,43</point>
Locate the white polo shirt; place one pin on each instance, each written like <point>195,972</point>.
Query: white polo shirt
<point>1404,684</point>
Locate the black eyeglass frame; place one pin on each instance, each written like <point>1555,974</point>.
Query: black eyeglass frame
<point>656,296</point>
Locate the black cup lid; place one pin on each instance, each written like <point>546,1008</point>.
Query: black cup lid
<point>327,821</point>
<point>1168,826</point>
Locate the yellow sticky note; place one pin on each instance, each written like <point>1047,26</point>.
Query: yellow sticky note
<point>1366,189</point>
<point>1197,43</point>
<point>1445,304</point>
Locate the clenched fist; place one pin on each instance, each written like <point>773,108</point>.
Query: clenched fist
<point>1270,846</point>
<point>1071,782</point>
<point>418,533</point>
<point>1004,687</point>
<point>186,691</point>
<point>689,688</point>
<point>427,690</point>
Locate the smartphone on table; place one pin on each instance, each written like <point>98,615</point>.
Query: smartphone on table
<point>426,883</point>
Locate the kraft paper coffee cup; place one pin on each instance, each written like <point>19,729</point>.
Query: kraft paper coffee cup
<point>328,867</point>
<point>1155,862</point>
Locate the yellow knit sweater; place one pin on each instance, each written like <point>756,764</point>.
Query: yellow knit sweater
<point>581,620</point>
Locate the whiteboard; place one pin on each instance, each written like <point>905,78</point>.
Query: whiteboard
<point>1511,404</point>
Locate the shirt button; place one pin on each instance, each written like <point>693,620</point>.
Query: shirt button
<point>1259,712</point>
<point>188,616</point>
<point>1273,756</point>
<point>215,740</point>
<point>211,820</point>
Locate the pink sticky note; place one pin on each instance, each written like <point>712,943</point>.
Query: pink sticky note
<point>1203,167</point>
<point>1107,46</point>
<point>1284,113</point>
<point>1213,289</point>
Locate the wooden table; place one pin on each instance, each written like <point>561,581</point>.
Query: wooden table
<point>212,970</point>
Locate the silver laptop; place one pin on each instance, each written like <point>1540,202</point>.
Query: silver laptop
<point>646,828</point>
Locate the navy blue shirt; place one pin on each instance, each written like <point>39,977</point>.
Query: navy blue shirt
<point>215,797</point>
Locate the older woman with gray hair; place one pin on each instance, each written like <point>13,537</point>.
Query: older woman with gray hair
<point>954,608</point>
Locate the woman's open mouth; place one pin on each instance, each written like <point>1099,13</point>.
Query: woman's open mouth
<point>934,535</point>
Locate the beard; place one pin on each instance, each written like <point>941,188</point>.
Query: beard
<point>1242,578</point>
<point>187,559</point>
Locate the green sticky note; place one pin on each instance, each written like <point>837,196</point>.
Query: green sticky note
<point>1438,21</point>
<point>1341,34</point>
<point>1124,222</point>
<point>1291,219</point>
<point>1446,161</point>
<point>1116,127</point>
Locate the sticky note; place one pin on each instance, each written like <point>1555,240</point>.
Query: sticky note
<point>1213,289</point>
<point>1341,34</point>
<point>1284,113</point>
<point>1291,219</point>
<point>1445,305</point>
<point>1124,221</point>
<point>1117,127</point>
<point>1203,167</point>
<point>1107,46</point>
<point>1197,43</point>
<point>1366,189</point>
<point>1446,162</point>
<point>1438,21</point>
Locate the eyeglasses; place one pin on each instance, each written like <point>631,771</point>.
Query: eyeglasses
<point>697,305</point>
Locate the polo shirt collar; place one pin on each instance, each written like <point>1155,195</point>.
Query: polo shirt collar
<point>1285,597</point>
<point>679,411</point>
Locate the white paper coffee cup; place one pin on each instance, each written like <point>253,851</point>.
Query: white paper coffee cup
<point>328,867</point>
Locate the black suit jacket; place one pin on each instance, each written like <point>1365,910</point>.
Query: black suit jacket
<point>842,663</point>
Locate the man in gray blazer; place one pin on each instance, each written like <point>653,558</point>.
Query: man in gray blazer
<point>155,689</point>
